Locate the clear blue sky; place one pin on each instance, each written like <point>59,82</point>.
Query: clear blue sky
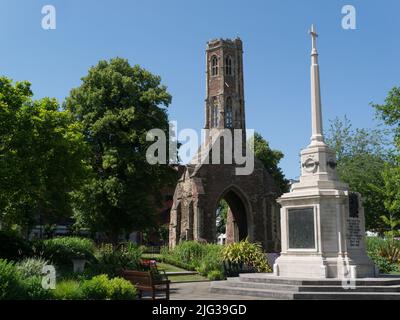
<point>168,37</point>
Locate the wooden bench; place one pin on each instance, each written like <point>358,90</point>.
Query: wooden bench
<point>146,281</point>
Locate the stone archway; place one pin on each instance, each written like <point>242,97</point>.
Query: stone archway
<point>237,215</point>
<point>252,198</point>
<point>204,181</point>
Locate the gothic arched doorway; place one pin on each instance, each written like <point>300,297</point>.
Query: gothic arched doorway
<point>231,218</point>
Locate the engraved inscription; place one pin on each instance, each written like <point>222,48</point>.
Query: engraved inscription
<point>354,235</point>
<point>301,228</point>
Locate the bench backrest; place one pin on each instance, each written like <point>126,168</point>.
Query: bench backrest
<point>139,277</point>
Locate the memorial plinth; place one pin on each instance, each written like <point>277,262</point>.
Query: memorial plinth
<point>322,223</point>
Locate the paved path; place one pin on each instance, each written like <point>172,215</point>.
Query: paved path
<point>201,291</point>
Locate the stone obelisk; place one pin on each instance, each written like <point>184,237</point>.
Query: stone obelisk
<point>317,137</point>
<point>322,223</point>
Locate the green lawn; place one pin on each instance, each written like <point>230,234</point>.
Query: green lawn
<point>189,278</point>
<point>155,256</point>
<point>169,267</point>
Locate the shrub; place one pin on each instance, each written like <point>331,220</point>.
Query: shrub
<point>13,286</point>
<point>112,261</point>
<point>131,255</point>
<point>211,261</point>
<point>189,252</point>
<point>250,255</point>
<point>10,282</point>
<point>120,289</point>
<point>173,261</point>
<point>385,253</point>
<point>33,290</point>
<point>13,247</point>
<point>216,275</point>
<point>191,255</point>
<point>62,250</point>
<point>164,251</point>
<point>390,249</point>
<point>373,244</point>
<point>385,265</point>
<point>102,288</point>
<point>31,267</point>
<point>68,290</point>
<point>108,260</point>
<point>96,288</point>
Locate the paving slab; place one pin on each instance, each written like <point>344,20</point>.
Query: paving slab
<point>201,291</point>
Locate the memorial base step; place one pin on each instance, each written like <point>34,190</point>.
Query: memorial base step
<point>268,286</point>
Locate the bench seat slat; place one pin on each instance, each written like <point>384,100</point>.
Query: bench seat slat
<point>144,281</point>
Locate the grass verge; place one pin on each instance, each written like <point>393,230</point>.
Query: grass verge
<point>187,278</point>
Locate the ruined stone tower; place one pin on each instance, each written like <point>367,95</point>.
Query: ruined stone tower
<point>251,197</point>
<point>225,93</point>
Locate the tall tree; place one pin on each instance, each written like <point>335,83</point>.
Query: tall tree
<point>363,155</point>
<point>222,216</point>
<point>389,113</point>
<point>41,152</point>
<point>117,105</point>
<point>270,159</point>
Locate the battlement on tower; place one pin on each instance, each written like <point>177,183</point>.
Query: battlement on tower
<point>219,42</point>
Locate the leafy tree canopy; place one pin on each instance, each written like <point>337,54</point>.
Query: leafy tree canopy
<point>363,155</point>
<point>222,216</point>
<point>117,105</point>
<point>270,159</point>
<point>389,113</point>
<point>41,152</point>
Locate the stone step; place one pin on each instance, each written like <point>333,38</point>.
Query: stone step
<point>266,286</point>
<point>357,289</point>
<point>236,283</point>
<point>226,287</point>
<point>346,296</point>
<point>270,279</point>
<point>251,292</point>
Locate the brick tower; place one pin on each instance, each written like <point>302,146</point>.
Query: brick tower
<point>225,93</point>
<point>251,197</point>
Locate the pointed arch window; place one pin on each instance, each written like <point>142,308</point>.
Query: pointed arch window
<point>215,112</point>
<point>238,120</point>
<point>228,66</point>
<point>229,114</point>
<point>214,66</point>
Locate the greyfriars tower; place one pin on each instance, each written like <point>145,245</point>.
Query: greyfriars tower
<point>251,197</point>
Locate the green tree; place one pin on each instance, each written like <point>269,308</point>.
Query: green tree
<point>270,159</point>
<point>222,216</point>
<point>12,98</point>
<point>117,105</point>
<point>41,152</point>
<point>389,113</point>
<point>391,178</point>
<point>363,155</point>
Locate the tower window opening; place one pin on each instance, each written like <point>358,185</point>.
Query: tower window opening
<point>229,114</point>
<point>214,66</point>
<point>215,113</point>
<point>228,66</point>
